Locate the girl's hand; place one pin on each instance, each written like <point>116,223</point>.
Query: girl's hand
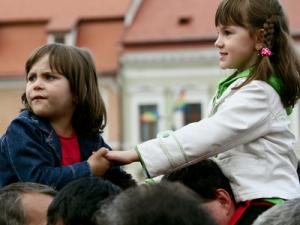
<point>98,163</point>
<point>122,157</point>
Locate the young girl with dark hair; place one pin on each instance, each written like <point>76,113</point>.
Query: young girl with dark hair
<point>57,136</point>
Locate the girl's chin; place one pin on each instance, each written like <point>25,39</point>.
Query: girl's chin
<point>226,66</point>
<point>39,112</point>
<point>223,67</point>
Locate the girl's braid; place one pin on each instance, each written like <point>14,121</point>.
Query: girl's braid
<point>269,32</point>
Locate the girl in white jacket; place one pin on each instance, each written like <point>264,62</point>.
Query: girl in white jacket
<point>247,130</point>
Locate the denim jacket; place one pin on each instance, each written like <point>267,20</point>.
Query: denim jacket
<point>30,151</point>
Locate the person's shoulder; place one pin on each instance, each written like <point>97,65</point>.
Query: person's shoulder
<point>95,139</point>
<point>25,116</point>
<point>102,142</point>
<point>18,127</point>
<point>26,120</point>
<point>265,88</point>
<point>255,85</point>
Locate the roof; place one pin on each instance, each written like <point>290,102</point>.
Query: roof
<point>292,8</point>
<point>178,21</point>
<point>61,14</point>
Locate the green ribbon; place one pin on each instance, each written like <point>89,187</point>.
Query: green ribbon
<point>274,81</point>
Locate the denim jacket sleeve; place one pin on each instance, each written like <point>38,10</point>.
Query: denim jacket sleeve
<point>30,156</point>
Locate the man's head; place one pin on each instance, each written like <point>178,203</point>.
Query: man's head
<point>25,203</point>
<point>76,203</point>
<point>164,203</point>
<point>287,213</point>
<point>208,181</point>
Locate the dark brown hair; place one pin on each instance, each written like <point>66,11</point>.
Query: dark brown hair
<point>152,204</point>
<point>77,65</point>
<point>269,16</point>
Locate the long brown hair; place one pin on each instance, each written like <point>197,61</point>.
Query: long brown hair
<point>269,16</point>
<point>77,65</point>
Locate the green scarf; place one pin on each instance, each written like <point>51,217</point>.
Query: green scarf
<point>274,81</point>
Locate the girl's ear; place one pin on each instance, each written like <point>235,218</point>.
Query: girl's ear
<point>259,36</point>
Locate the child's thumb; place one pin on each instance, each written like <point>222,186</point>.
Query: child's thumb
<point>102,152</point>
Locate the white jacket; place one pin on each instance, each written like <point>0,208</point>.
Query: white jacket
<point>247,132</point>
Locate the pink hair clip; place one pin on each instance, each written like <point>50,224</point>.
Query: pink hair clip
<point>265,52</point>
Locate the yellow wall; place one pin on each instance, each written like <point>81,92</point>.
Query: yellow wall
<point>10,101</point>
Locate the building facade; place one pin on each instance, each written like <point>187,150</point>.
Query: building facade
<point>96,25</point>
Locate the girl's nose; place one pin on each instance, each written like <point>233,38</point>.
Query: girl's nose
<point>38,84</point>
<point>218,42</point>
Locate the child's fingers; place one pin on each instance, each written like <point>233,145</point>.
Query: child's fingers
<point>113,156</point>
<point>101,152</point>
<point>104,151</point>
<point>117,157</point>
<point>123,157</point>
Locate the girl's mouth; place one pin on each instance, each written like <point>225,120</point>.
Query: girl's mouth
<point>38,98</point>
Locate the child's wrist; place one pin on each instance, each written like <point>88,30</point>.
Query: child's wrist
<point>134,156</point>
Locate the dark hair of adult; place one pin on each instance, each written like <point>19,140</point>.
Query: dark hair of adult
<point>204,177</point>
<point>76,202</point>
<point>287,213</point>
<point>120,178</point>
<point>164,203</point>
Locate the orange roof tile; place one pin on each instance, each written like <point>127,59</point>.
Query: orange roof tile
<point>169,21</point>
<point>61,14</point>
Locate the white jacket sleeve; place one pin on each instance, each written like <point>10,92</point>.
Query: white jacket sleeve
<point>240,118</point>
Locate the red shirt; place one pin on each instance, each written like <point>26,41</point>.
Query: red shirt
<point>70,150</point>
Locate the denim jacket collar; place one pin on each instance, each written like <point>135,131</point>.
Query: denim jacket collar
<point>50,134</point>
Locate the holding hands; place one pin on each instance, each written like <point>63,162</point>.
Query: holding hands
<point>102,159</point>
<point>122,157</point>
<point>98,163</point>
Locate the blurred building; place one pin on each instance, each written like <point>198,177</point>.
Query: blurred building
<point>94,24</point>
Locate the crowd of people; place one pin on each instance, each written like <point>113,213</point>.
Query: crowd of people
<point>235,167</point>
<point>190,196</point>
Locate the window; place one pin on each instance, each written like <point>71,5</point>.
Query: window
<point>187,108</point>
<point>68,38</point>
<point>185,114</point>
<point>148,116</point>
<point>184,20</point>
<point>60,38</point>
<point>192,113</point>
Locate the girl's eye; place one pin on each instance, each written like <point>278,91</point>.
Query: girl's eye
<point>31,77</point>
<point>227,32</point>
<point>50,77</point>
